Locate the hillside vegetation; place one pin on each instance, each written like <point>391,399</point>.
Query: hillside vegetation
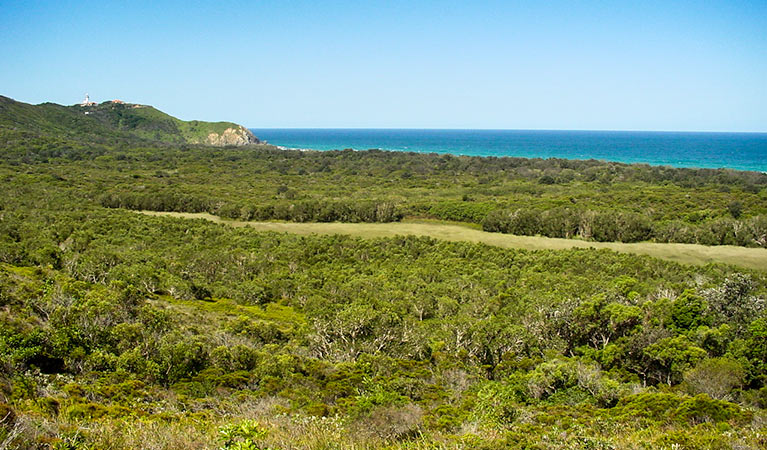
<point>112,122</point>
<point>121,330</point>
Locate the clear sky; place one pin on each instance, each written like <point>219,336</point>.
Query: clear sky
<point>634,65</point>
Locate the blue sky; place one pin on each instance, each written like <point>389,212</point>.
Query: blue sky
<point>411,64</point>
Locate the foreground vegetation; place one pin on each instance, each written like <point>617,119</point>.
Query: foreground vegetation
<point>169,328</point>
<point>121,330</point>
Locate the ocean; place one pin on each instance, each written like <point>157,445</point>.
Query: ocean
<point>742,151</point>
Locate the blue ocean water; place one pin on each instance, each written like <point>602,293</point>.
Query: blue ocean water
<point>743,151</point>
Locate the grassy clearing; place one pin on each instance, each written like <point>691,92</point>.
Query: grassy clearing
<point>751,258</point>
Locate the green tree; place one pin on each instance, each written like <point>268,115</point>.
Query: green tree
<point>598,322</point>
<point>689,311</point>
<point>670,358</point>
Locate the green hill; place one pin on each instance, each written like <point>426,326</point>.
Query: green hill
<point>116,121</point>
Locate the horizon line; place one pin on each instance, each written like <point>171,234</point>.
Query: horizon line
<point>510,129</point>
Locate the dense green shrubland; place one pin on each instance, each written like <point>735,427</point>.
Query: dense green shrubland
<point>400,340</point>
<point>119,330</point>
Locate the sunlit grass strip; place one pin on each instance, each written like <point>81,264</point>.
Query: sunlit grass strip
<point>751,258</point>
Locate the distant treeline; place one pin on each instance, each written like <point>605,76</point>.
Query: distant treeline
<point>561,222</point>
<point>607,226</point>
<point>19,146</point>
<point>301,211</point>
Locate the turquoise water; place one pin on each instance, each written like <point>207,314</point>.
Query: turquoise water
<point>743,151</point>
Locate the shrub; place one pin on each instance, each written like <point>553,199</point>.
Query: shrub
<point>524,222</point>
<point>703,408</point>
<point>245,435</point>
<point>496,404</point>
<point>7,415</point>
<point>85,411</point>
<point>716,377</point>
<point>465,211</point>
<point>394,422</point>
<point>646,405</point>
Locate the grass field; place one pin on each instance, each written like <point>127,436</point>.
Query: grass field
<point>751,258</point>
